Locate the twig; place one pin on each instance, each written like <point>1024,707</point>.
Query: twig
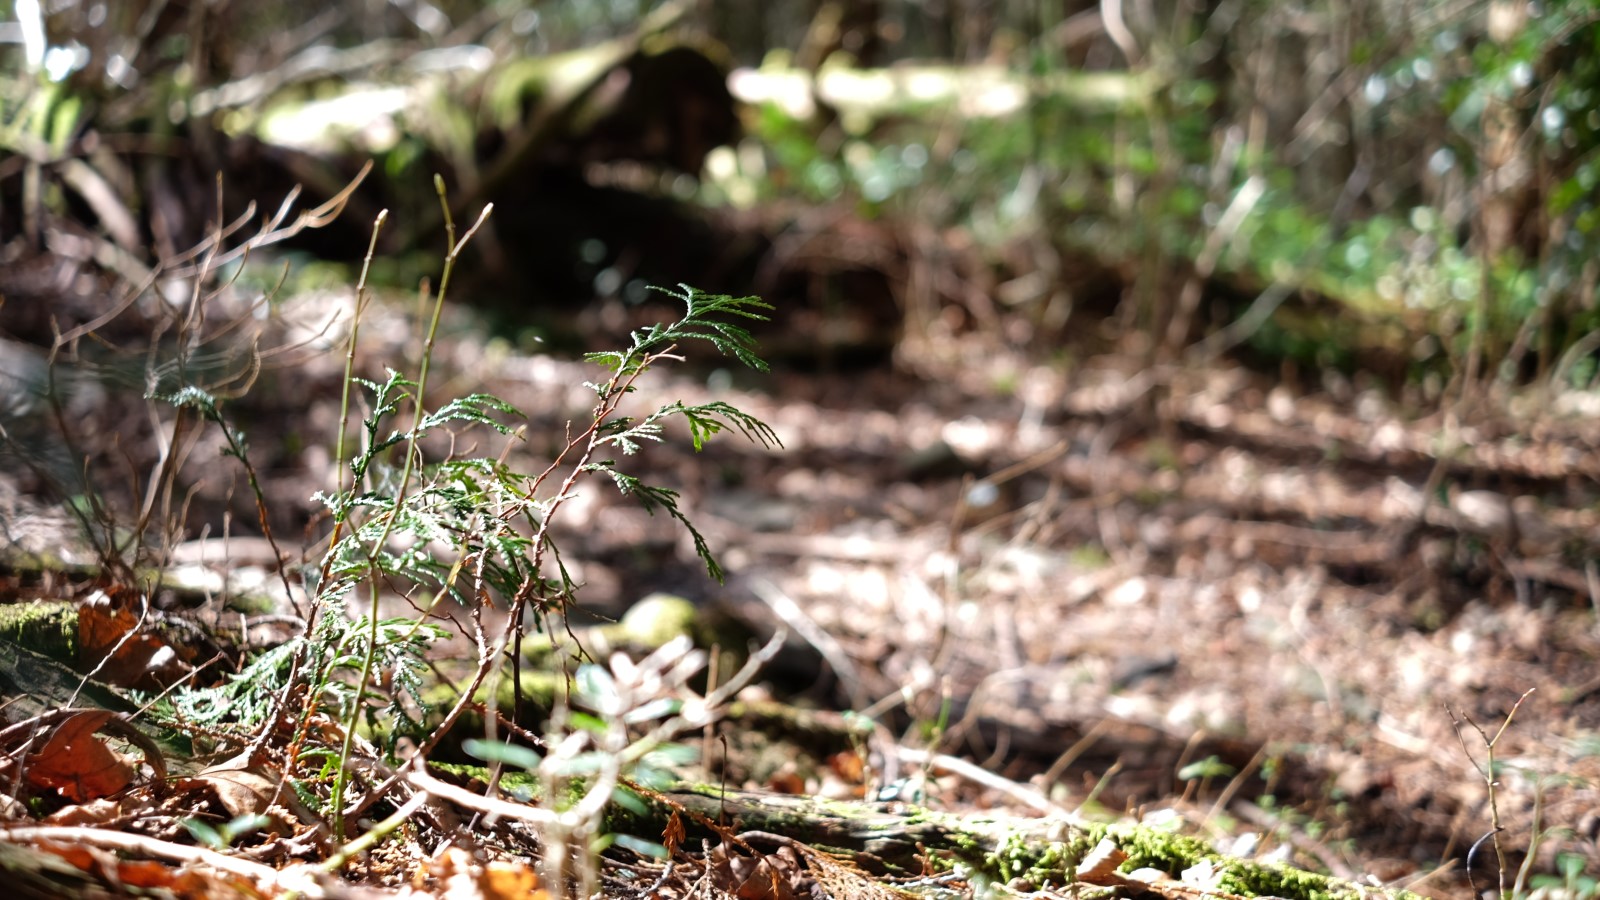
<point>1487,771</point>
<point>523,812</point>
<point>972,773</point>
<point>299,879</point>
<point>374,834</point>
<point>790,612</point>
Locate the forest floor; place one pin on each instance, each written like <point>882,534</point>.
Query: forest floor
<point>1090,577</point>
<point>1268,608</point>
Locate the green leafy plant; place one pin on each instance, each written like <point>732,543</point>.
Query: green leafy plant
<point>650,346</point>
<point>460,518</point>
<point>616,731</point>
<point>476,530</point>
<point>1572,882</point>
<point>221,837</point>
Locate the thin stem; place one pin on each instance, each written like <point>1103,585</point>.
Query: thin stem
<point>363,295</point>
<point>407,467</point>
<point>1488,773</point>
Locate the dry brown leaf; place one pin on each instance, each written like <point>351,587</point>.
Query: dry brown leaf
<point>145,873</point>
<point>78,764</point>
<point>77,855</point>
<point>150,875</point>
<point>786,781</point>
<point>1100,866</point>
<point>456,877</point>
<point>674,834</point>
<point>776,876</point>
<point>108,640</point>
<point>511,881</point>
<point>242,792</point>
<point>245,790</point>
<point>460,877</point>
<point>208,884</point>
<point>95,812</point>
<point>849,766</point>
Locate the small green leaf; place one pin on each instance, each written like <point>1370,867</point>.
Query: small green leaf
<point>509,754</point>
<point>240,826</point>
<point>629,801</point>
<point>583,721</point>
<point>668,756</point>
<point>586,763</point>
<point>597,690</point>
<point>205,834</point>
<point>1210,767</point>
<point>659,708</point>
<point>641,846</point>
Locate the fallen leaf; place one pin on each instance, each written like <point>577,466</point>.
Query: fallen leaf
<point>246,790</point>
<point>776,876</point>
<point>76,855</point>
<point>786,782</point>
<point>511,881</point>
<point>187,883</point>
<point>109,640</point>
<point>674,834</point>
<point>242,792</point>
<point>78,764</point>
<point>145,873</point>
<point>95,812</point>
<point>1100,866</point>
<point>849,766</point>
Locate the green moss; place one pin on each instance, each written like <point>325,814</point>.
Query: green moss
<point>1262,880</point>
<point>1041,862</point>
<point>1158,849</point>
<point>49,627</point>
<point>966,843</point>
<point>517,782</point>
<point>538,689</point>
<point>538,693</point>
<point>1055,862</point>
<point>657,619</point>
<point>1173,853</point>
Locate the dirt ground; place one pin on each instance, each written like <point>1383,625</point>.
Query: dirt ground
<point>1103,576</point>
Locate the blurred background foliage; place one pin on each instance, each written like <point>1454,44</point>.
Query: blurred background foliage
<point>1404,186</point>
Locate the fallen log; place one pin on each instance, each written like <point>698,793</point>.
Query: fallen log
<point>1025,852</point>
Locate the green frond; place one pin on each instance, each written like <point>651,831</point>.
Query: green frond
<point>473,408</point>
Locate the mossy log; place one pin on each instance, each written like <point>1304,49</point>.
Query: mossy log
<point>1036,852</point>
<point>32,683</point>
<point>48,627</point>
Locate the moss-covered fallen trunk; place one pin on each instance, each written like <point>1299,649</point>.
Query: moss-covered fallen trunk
<point>1033,853</point>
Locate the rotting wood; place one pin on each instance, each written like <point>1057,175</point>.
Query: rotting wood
<point>900,838</point>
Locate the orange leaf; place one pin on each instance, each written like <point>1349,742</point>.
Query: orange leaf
<point>145,873</point>
<point>95,812</point>
<point>674,834</point>
<point>137,660</point>
<point>849,766</point>
<point>78,764</point>
<point>76,855</point>
<point>510,881</point>
<point>786,782</point>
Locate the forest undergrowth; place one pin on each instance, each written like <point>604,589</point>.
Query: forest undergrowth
<point>1201,599</point>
